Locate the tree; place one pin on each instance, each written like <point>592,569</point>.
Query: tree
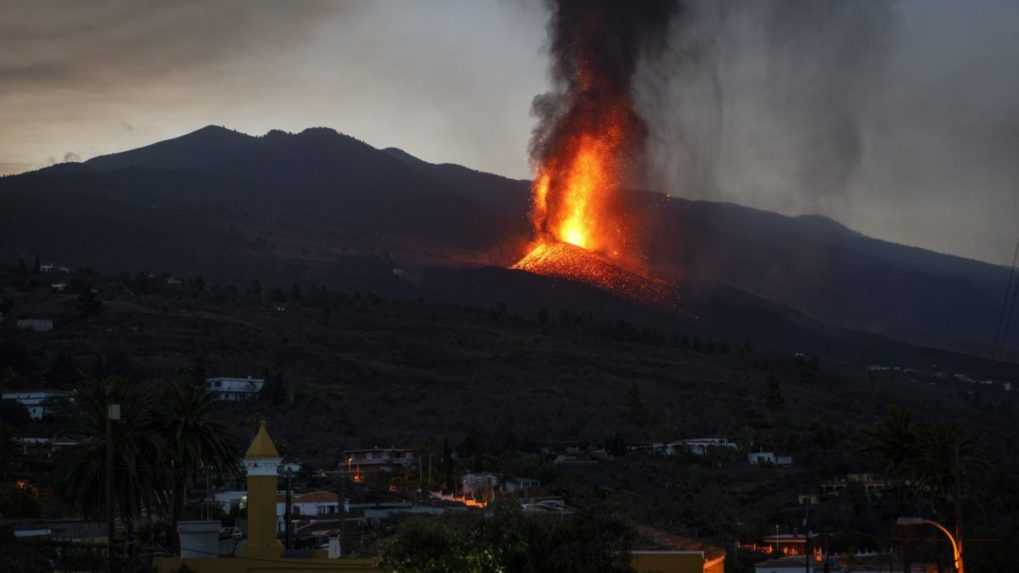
<point>195,442</point>
<point>774,398</point>
<point>255,290</point>
<point>16,503</point>
<point>198,373</point>
<point>88,304</point>
<point>894,441</point>
<point>63,373</point>
<point>8,449</point>
<point>936,460</point>
<point>138,476</point>
<point>277,389</point>
<point>636,410</point>
<point>447,466</point>
<point>510,540</point>
<point>14,414</point>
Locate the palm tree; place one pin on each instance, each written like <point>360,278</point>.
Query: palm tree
<point>136,445</point>
<point>946,459</point>
<point>194,441</point>
<point>894,440</point>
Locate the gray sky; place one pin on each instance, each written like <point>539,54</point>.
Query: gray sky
<point>899,120</point>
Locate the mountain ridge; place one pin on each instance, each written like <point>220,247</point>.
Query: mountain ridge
<point>222,202</point>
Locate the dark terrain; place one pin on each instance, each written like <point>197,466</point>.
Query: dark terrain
<point>370,290</point>
<point>322,206</point>
<point>502,384</point>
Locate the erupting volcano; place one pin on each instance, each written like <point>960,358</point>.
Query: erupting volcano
<point>589,141</point>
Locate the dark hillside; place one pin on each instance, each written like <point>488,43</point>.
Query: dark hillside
<point>285,207</point>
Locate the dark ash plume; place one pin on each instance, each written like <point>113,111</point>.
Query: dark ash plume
<point>596,47</point>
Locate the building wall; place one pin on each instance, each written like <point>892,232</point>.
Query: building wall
<point>262,517</point>
<point>671,562</point>
<point>241,565</point>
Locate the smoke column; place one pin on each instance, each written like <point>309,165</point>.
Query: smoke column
<point>589,135</point>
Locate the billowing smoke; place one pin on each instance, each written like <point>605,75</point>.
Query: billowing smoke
<point>766,102</point>
<point>590,139</point>
<point>596,47</point>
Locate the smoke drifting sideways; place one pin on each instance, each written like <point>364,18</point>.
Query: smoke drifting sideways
<point>892,117</point>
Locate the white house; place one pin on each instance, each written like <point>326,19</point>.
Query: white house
<point>377,457</point>
<point>35,400</point>
<point>479,485</point>
<point>234,389</point>
<point>36,324</point>
<point>768,458</point>
<point>701,446</point>
<point>311,505</point>
<point>695,446</point>
<point>520,485</point>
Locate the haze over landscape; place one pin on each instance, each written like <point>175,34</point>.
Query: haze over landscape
<point>896,120</point>
<point>509,286</point>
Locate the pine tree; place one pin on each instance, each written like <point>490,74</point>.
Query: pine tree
<point>635,408</point>
<point>774,397</point>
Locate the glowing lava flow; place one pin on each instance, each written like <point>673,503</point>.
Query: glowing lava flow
<point>579,231</point>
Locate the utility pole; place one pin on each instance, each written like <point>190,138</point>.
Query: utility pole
<point>286,512</point>
<point>806,539</point>
<point>112,413</point>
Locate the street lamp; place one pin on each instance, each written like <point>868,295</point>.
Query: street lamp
<point>956,549</point>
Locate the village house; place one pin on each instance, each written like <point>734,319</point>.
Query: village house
<point>37,402</point>
<point>35,324</point>
<point>657,551</point>
<point>785,544</point>
<point>695,446</point>
<point>354,461</point>
<point>479,486</point>
<point>304,506</point>
<point>808,499</point>
<point>234,389</point>
<point>768,459</point>
<point>520,485</point>
<point>872,485</point>
<point>261,550</point>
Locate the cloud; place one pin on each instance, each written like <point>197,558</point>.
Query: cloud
<point>891,117</point>
<point>46,44</point>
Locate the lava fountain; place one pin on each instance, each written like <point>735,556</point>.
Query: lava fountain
<point>589,140</point>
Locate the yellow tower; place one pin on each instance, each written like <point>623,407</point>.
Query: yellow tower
<point>261,462</point>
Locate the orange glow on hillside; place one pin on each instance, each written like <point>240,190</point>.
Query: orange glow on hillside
<point>581,231</point>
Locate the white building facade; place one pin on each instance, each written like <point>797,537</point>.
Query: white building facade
<point>234,389</point>
<point>37,401</point>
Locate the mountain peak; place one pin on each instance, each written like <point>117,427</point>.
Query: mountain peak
<point>196,149</point>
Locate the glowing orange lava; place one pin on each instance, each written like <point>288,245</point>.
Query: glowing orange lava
<point>573,190</point>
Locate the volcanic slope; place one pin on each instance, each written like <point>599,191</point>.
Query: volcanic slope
<point>565,261</point>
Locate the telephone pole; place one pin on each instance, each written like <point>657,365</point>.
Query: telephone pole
<point>112,413</point>
<point>286,512</point>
